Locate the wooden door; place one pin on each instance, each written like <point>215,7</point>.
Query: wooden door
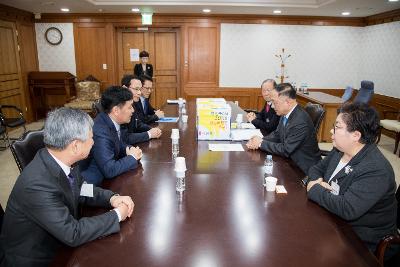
<point>11,87</point>
<point>162,45</point>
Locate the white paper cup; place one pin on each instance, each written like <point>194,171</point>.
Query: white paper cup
<point>270,183</point>
<point>180,164</point>
<point>185,118</point>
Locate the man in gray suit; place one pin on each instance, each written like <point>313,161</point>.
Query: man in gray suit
<point>42,210</point>
<point>295,136</point>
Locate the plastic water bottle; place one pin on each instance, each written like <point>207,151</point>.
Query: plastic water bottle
<point>268,165</point>
<point>180,182</point>
<point>183,110</point>
<point>175,147</point>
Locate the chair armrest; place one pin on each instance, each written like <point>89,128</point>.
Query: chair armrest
<point>383,244</point>
<point>12,107</point>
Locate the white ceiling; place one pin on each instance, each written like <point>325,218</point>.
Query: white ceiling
<point>358,8</point>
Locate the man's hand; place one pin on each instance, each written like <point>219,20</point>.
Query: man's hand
<point>159,113</point>
<point>136,152</point>
<point>155,132</point>
<point>251,116</point>
<point>254,142</point>
<point>124,204</point>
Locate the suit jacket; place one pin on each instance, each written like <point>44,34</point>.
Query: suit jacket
<point>42,214</point>
<point>367,192</point>
<point>107,157</point>
<point>138,70</point>
<point>136,130</point>
<point>266,121</point>
<point>296,140</point>
<point>147,116</point>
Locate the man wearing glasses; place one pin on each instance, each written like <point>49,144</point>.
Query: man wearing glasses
<point>146,112</point>
<point>266,119</point>
<point>138,131</point>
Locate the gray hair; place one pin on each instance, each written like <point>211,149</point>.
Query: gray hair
<point>65,125</point>
<point>269,81</point>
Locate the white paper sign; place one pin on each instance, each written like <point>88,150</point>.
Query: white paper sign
<point>134,54</point>
<point>87,190</point>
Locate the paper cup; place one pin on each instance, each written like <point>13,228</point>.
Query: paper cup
<point>185,118</point>
<point>270,183</point>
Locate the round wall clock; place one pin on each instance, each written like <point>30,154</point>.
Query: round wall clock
<point>53,36</point>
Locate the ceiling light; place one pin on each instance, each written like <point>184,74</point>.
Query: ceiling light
<point>135,10</point>
<point>346,13</point>
<point>206,10</point>
<point>65,9</point>
<point>393,0</point>
<point>277,11</point>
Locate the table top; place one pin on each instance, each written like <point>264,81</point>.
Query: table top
<point>224,218</point>
<point>321,98</point>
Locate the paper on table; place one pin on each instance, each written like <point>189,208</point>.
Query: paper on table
<point>247,125</point>
<point>225,147</point>
<point>244,134</point>
<point>174,101</point>
<point>168,119</point>
<point>280,189</point>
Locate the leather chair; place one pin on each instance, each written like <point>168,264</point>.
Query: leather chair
<point>316,113</point>
<point>390,240</point>
<point>24,150</point>
<point>13,121</point>
<point>1,216</point>
<point>392,125</point>
<point>348,93</point>
<point>365,93</point>
<point>3,135</point>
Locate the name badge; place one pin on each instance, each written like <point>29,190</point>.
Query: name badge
<point>86,190</point>
<point>335,188</point>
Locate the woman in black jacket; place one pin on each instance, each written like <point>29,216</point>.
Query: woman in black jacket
<point>143,67</point>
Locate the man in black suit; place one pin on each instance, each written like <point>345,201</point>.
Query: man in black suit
<point>145,111</point>
<point>138,131</point>
<point>266,120</point>
<point>295,137</point>
<point>42,210</point>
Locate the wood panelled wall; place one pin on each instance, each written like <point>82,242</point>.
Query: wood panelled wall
<point>28,60</point>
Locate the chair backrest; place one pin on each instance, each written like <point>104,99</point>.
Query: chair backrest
<point>316,113</point>
<point>348,92</point>
<point>87,90</point>
<point>1,216</point>
<point>398,206</point>
<point>365,93</point>
<point>24,149</point>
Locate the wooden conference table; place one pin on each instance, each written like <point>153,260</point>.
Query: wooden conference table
<point>224,218</point>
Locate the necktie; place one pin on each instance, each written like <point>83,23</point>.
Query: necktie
<point>119,134</point>
<point>267,108</point>
<point>71,181</point>
<point>145,105</point>
<point>284,120</point>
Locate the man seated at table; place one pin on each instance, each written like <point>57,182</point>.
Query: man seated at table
<point>42,210</point>
<point>138,131</point>
<point>355,181</point>
<point>266,120</point>
<point>146,112</point>
<point>295,136</point>
<point>110,155</point>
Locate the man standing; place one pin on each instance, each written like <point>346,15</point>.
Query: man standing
<point>146,112</point>
<point>110,155</point>
<point>42,211</point>
<point>266,120</point>
<point>295,136</point>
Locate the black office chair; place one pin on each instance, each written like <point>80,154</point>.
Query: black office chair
<point>24,150</point>
<point>390,240</point>
<point>316,113</point>
<point>365,93</point>
<point>3,135</point>
<point>14,121</point>
<point>1,216</point>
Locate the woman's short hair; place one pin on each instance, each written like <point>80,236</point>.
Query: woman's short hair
<point>115,96</point>
<point>144,54</point>
<point>64,125</point>
<point>362,118</point>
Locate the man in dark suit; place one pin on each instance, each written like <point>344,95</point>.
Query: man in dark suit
<point>110,155</point>
<point>145,111</point>
<point>266,120</point>
<point>42,210</point>
<point>137,130</point>
<point>295,137</point>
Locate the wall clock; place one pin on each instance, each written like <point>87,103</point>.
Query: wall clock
<point>53,36</point>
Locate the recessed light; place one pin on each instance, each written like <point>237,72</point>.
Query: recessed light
<point>393,0</point>
<point>277,11</point>
<point>346,13</point>
<point>206,10</point>
<point>65,9</point>
<point>135,10</point>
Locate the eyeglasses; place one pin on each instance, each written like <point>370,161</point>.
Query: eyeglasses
<point>135,88</point>
<point>335,127</point>
<point>148,88</point>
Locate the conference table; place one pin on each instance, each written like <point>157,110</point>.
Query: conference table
<point>225,217</point>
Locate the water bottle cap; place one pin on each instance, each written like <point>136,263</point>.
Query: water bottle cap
<point>269,156</point>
